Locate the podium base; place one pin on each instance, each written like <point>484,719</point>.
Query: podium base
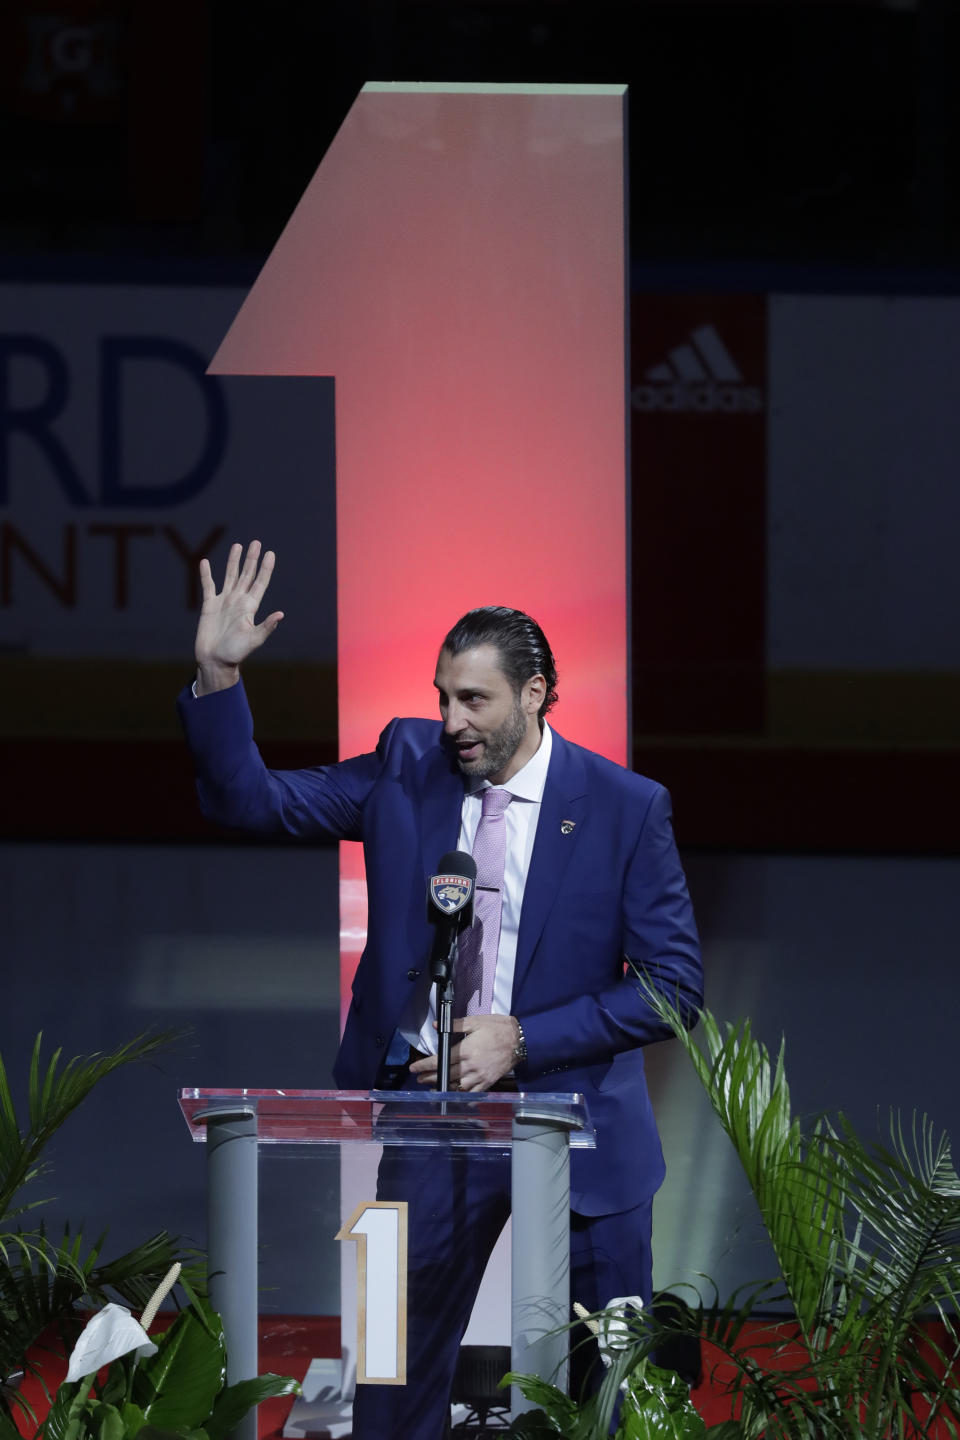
<point>321,1412</point>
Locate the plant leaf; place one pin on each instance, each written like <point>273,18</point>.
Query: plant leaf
<point>176,1387</point>
<point>554,1402</point>
<point>233,1403</point>
<point>64,1419</point>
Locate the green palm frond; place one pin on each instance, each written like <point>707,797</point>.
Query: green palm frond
<point>907,1196</point>
<point>54,1092</point>
<point>42,1281</point>
<point>789,1172</point>
<point>867,1237</point>
<point>867,1240</point>
<point>40,1284</point>
<point>48,1286</point>
<point>135,1275</point>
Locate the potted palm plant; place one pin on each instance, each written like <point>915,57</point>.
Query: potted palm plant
<point>866,1235</point>
<point>45,1280</point>
<point>121,1380</point>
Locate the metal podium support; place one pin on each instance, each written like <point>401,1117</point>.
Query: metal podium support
<point>232,1238</point>
<point>540,1263</point>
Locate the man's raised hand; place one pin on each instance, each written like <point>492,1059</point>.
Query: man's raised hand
<point>228,632</point>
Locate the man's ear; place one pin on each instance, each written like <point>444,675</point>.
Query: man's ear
<point>534,694</point>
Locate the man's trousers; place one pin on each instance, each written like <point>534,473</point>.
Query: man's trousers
<point>459,1200</point>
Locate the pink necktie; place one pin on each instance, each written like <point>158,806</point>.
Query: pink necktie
<point>477,958</point>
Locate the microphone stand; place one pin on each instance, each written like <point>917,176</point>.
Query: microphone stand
<point>442,971</point>
<point>449,894</point>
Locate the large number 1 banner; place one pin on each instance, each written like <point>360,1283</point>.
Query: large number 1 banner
<point>458,264</point>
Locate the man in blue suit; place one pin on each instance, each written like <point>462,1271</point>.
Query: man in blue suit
<point>591,882</point>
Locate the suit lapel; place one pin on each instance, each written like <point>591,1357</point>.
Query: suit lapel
<point>564,799</point>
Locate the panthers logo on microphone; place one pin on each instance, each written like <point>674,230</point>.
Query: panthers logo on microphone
<point>450,893</point>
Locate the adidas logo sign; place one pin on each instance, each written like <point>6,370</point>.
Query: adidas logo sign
<point>701,377</point>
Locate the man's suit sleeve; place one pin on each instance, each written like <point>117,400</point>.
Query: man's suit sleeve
<point>658,937</point>
<point>236,788</point>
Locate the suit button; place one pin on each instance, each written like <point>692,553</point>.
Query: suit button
<point>379,1040</point>
<point>413,974</point>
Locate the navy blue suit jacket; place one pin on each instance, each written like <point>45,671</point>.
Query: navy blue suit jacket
<point>609,890</point>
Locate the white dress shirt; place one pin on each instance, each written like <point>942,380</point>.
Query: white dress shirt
<point>521,817</point>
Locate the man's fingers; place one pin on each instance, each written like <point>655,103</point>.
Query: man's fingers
<point>207,586</point>
<point>470,1082</point>
<point>253,576</point>
<point>233,566</point>
<point>262,579</point>
<point>249,570</point>
<point>265,629</point>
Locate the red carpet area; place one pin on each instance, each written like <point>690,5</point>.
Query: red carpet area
<point>289,1342</point>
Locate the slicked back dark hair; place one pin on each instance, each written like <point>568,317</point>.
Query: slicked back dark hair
<point>519,641</point>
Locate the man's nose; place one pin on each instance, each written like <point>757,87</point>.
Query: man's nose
<point>454,722</point>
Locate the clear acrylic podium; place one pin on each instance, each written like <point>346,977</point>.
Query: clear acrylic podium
<point>537,1129</point>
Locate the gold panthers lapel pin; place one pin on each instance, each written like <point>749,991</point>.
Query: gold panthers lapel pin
<point>566,826</point>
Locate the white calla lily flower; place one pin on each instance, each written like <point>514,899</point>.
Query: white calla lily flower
<point>615,1331</point>
<point>612,1330</point>
<point>108,1335</point>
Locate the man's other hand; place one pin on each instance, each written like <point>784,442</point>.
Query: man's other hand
<point>481,1055</point>
<point>228,632</point>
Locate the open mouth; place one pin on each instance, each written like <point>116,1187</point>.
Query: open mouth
<point>468,750</point>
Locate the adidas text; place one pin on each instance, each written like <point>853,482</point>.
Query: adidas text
<point>704,398</point>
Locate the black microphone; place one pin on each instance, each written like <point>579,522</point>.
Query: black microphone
<point>450,906</point>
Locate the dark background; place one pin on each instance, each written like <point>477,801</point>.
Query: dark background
<point>766,132</point>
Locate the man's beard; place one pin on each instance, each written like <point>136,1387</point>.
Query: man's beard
<point>499,747</point>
